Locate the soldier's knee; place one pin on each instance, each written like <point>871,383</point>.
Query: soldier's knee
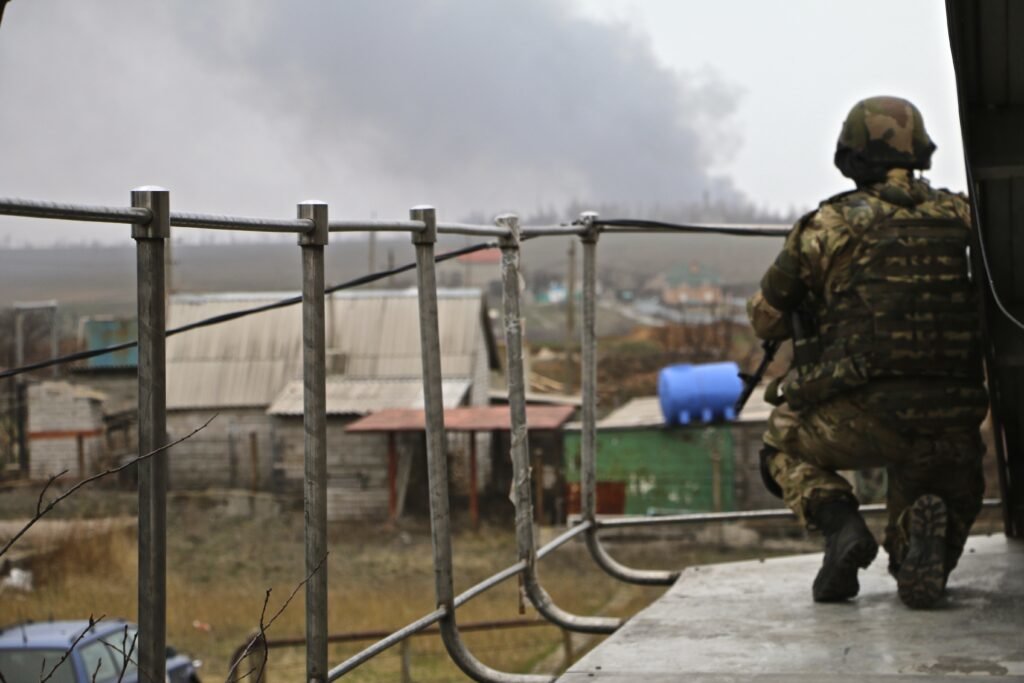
<point>766,454</point>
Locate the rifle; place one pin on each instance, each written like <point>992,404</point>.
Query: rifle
<point>771,347</point>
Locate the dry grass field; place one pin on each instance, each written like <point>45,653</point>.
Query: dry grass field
<point>380,577</point>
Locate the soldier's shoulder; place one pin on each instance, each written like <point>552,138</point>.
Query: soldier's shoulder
<point>946,202</point>
<point>852,207</point>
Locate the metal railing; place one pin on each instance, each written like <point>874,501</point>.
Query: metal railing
<point>256,647</point>
<point>152,220</point>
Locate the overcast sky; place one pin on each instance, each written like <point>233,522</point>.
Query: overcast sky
<point>249,106</point>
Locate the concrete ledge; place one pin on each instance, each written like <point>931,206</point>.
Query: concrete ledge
<point>755,621</point>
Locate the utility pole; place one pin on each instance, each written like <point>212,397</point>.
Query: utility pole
<point>371,256</point>
<point>570,318</point>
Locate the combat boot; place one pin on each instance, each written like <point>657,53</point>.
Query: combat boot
<point>849,547</point>
<point>921,576</point>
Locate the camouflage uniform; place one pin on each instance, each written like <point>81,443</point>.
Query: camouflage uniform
<point>890,373</point>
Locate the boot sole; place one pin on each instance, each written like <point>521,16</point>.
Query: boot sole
<point>842,584</point>
<point>921,579</point>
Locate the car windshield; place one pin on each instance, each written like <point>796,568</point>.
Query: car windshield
<point>34,665</point>
<point>121,649</point>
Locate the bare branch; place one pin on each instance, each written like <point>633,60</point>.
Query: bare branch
<point>39,503</point>
<point>67,652</point>
<point>261,635</point>
<point>114,470</point>
<point>125,651</point>
<point>96,673</point>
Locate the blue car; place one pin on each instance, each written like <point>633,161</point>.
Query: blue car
<point>100,655</point>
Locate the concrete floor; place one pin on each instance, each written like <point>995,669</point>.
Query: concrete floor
<point>755,621</point>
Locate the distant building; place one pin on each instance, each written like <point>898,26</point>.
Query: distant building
<point>65,430</point>
<point>113,374</point>
<point>248,371</point>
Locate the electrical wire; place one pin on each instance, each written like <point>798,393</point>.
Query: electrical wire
<point>992,284</point>
<point>678,227</point>
<point>235,315</point>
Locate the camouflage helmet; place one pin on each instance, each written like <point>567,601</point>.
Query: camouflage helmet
<point>881,133</point>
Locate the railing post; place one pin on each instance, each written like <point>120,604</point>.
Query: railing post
<point>522,490</point>
<point>437,461</point>
<point>314,364</point>
<point>588,379</point>
<point>150,241</point>
<point>588,441</point>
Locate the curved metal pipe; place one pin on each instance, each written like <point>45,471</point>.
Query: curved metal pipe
<point>615,569</point>
<point>588,437</point>
<point>520,448</point>
<point>437,461</point>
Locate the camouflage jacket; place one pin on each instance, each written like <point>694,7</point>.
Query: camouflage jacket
<point>880,274</point>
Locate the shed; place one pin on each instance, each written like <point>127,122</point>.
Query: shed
<point>368,474</point>
<point>469,420</point>
<point>646,467</point>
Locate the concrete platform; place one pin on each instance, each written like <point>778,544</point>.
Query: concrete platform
<point>755,621</point>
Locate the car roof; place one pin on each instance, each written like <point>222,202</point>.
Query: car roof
<point>54,634</point>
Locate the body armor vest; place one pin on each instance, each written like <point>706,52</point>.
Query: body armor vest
<point>906,309</point>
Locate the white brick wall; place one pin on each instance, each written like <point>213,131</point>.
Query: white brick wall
<point>57,413</point>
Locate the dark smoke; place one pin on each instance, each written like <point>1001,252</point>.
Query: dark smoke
<point>251,105</point>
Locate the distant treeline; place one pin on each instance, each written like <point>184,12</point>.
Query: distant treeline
<point>101,279</point>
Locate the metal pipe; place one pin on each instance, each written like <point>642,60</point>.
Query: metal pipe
<point>314,364</point>
<point>31,208</point>
<point>528,231</point>
<point>468,229</point>
<point>735,229</point>
<point>437,465</point>
<point>461,599</point>
<point>588,371</point>
<point>522,494</point>
<point>588,462</point>
<point>218,222</point>
<point>489,583</point>
<point>562,539</point>
<point>398,636</point>
<point>738,516</point>
<point>373,225</point>
<point>150,240</point>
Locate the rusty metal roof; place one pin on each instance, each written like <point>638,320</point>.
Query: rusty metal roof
<point>347,396</point>
<point>370,334</point>
<point>466,419</point>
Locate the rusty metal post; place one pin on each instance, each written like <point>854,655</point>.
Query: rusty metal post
<point>522,495</point>
<point>437,461</point>
<point>392,478</point>
<point>474,496</point>
<point>80,451</point>
<point>314,365</point>
<point>406,652</point>
<point>150,241</point>
<point>254,461</point>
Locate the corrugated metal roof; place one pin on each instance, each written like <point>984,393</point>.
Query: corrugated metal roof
<point>370,334</point>
<point>363,396</point>
<point>465,419</point>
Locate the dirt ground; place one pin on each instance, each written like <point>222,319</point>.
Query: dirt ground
<point>381,577</point>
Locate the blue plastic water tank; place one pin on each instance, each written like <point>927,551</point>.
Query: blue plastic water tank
<point>705,392</point>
